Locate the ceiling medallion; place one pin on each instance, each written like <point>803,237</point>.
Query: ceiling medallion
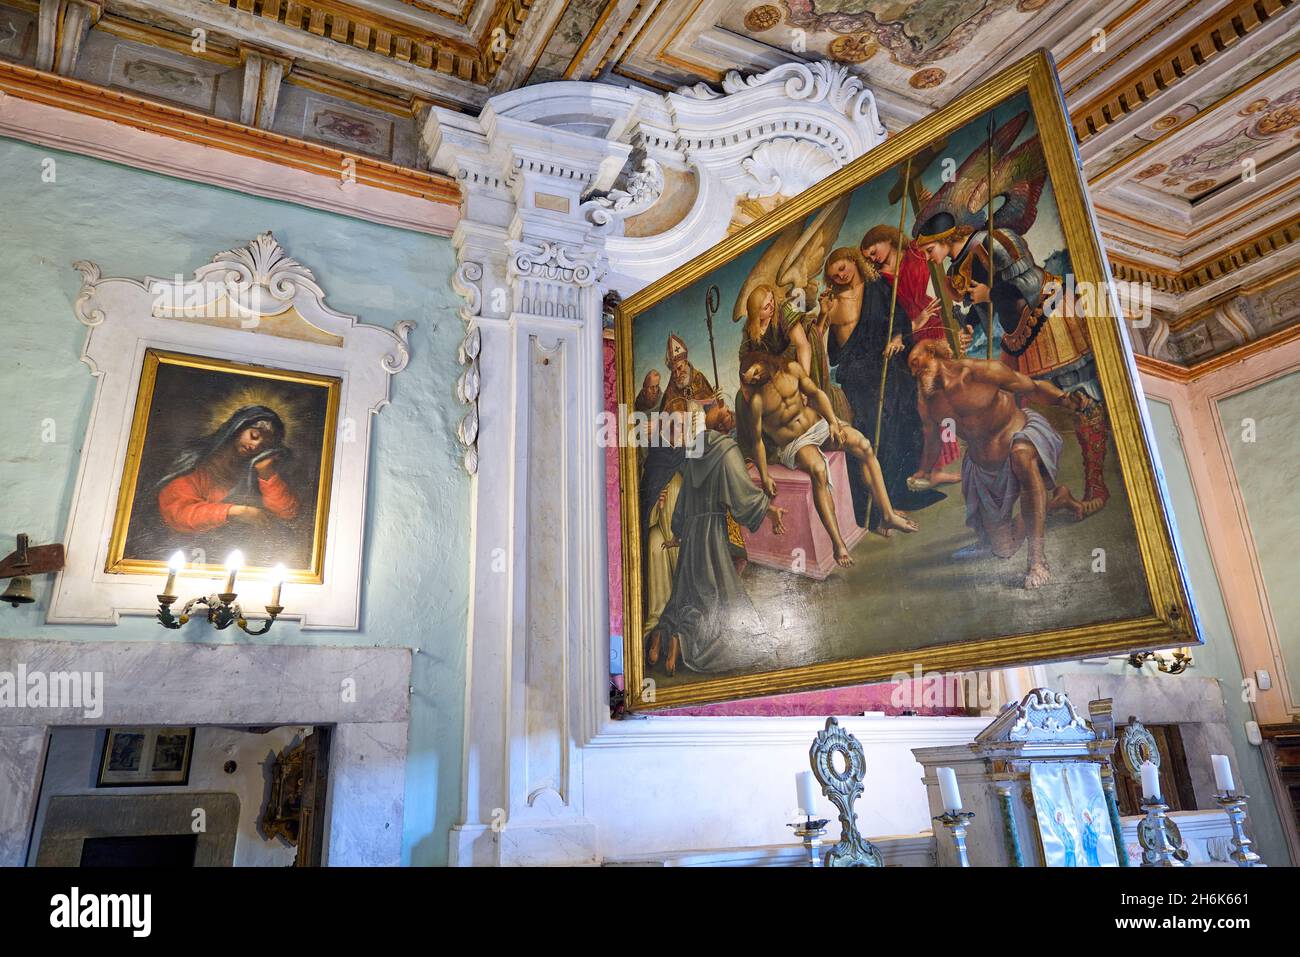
<point>927,79</point>
<point>1154,170</point>
<point>1201,186</point>
<point>1165,123</point>
<point>853,49</point>
<point>762,18</point>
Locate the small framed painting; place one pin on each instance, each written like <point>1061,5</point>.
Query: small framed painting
<point>145,757</point>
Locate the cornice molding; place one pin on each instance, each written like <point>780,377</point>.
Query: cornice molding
<point>1172,372</point>
<point>1195,48</point>
<point>176,123</point>
<point>1248,252</point>
<point>366,30</point>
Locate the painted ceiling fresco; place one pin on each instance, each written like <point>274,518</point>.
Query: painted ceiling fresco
<point>1229,145</point>
<point>919,45</point>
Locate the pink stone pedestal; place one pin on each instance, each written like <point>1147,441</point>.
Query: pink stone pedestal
<point>803,527</point>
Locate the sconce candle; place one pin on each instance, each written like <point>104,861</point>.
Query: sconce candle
<point>1222,773</point>
<point>234,561</point>
<point>175,565</point>
<point>806,786</point>
<point>1150,781</point>
<point>277,582</point>
<point>948,789</point>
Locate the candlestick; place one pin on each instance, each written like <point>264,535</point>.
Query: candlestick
<point>1223,782</point>
<point>810,831</point>
<point>1150,781</point>
<point>1234,805</point>
<point>948,789</point>
<point>806,788</point>
<point>234,561</point>
<point>277,579</point>
<point>1153,833</point>
<point>956,822</point>
<point>174,566</point>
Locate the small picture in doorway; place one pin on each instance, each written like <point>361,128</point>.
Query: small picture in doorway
<point>145,757</point>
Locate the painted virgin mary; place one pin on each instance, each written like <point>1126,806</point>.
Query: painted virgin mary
<point>228,483</point>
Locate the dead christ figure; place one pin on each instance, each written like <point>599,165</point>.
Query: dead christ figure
<point>786,405</point>
<point>1010,452</point>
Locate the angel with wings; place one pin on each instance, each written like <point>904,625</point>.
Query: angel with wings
<point>778,303</point>
<point>1007,295</point>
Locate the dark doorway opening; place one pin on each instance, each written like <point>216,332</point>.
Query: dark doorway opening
<point>163,850</point>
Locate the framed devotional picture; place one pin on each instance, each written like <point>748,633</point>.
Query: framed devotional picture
<point>224,456</point>
<point>893,424</point>
<point>145,757</point>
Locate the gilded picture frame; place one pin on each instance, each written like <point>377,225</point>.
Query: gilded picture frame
<point>297,410</point>
<point>1157,595</point>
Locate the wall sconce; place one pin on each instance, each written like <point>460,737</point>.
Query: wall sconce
<point>1179,661</point>
<point>223,607</point>
<point>19,566</point>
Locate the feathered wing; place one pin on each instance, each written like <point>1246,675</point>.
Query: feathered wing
<point>808,255</point>
<point>1020,178</point>
<point>966,195</point>
<point>796,254</point>
<point>765,269</point>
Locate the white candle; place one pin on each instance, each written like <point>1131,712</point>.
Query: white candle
<point>277,579</point>
<point>234,561</point>
<point>174,566</point>
<point>1222,773</point>
<point>806,787</point>
<point>948,789</point>
<point>1150,781</point>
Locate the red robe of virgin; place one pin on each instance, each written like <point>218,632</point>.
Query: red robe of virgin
<point>913,282</point>
<point>193,502</point>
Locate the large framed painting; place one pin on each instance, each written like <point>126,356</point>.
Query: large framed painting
<point>893,424</point>
<point>226,456</point>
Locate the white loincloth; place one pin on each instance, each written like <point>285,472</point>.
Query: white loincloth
<point>818,433</point>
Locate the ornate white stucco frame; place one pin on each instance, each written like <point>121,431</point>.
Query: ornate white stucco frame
<point>253,304</point>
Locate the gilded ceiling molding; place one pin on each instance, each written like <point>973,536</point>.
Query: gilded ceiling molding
<point>176,123</point>
<point>1193,50</point>
<point>1245,253</point>
<point>499,37</point>
<point>365,30</point>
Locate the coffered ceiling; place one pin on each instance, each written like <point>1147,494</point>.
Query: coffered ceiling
<point>1187,111</point>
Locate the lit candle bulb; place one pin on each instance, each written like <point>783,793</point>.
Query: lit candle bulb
<point>277,581</point>
<point>1150,781</point>
<point>948,789</point>
<point>234,562</point>
<point>1222,773</point>
<point>175,565</point>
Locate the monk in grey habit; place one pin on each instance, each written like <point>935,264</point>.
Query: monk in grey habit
<point>711,623</point>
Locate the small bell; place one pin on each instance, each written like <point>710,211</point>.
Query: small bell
<point>19,591</point>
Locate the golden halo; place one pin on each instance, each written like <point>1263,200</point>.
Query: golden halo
<point>294,407</point>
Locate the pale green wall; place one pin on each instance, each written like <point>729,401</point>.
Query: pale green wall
<point>1217,658</point>
<point>415,576</point>
<point>1263,435</point>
